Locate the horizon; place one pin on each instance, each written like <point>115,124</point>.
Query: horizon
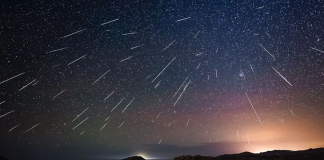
<point>170,158</point>
<point>106,79</point>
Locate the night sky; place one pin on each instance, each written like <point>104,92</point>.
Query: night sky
<point>107,79</point>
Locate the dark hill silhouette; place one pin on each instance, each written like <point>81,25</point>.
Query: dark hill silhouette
<point>197,157</point>
<point>3,158</point>
<point>310,154</point>
<point>134,158</point>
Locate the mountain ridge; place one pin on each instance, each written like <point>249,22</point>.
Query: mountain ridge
<point>309,154</point>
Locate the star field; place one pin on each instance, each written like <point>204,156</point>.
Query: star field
<point>138,76</point>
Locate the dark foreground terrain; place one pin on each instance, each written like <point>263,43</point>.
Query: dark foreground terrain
<point>310,154</point>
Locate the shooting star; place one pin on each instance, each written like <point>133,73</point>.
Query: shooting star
<point>109,22</point>
<point>197,34</point>
<point>107,118</point>
<point>103,127</point>
<point>182,92</point>
<point>237,134</point>
<point>80,114</point>
<point>73,33</point>
<point>36,83</point>
<point>121,124</point>
<point>100,77</point>
<point>160,141</point>
<point>148,77</point>
<point>163,69</point>
<point>58,94</point>
<point>129,33</point>
<point>158,115</point>
<point>77,59</point>
<point>118,104</point>
<point>317,49</point>
<point>251,67</point>
<point>82,132</point>
<point>137,46</point>
<point>32,127</point>
<point>7,113</point>
<point>57,50</point>
<point>282,121</point>
<point>180,86</point>
<point>198,66</point>
<point>80,123</point>
<point>157,85</point>
<point>183,19</point>
<point>128,105</point>
<point>126,59</point>
<point>109,95</point>
<point>282,76</point>
<point>260,7</point>
<point>248,139</point>
<point>267,51</point>
<point>2,102</point>
<point>56,65</point>
<point>216,73</point>
<point>253,108</point>
<point>199,54</point>
<point>268,34</point>
<point>12,77</point>
<point>187,123</point>
<point>168,45</point>
<point>13,128</point>
<point>242,74</point>
<point>26,85</point>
